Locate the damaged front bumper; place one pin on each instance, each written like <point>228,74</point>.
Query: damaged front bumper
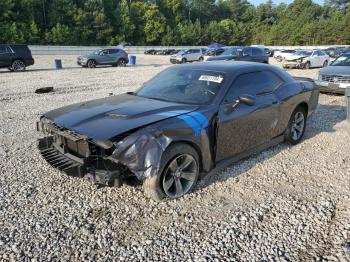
<point>293,64</point>
<point>103,162</point>
<point>72,165</point>
<point>77,156</point>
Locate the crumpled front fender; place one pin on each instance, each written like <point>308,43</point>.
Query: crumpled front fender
<point>142,151</point>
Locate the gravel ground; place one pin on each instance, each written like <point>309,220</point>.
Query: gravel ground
<point>284,204</point>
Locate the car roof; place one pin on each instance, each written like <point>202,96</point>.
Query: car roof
<point>226,66</point>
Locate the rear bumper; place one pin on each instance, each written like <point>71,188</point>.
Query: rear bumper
<point>29,62</point>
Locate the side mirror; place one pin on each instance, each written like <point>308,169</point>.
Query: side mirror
<point>247,99</point>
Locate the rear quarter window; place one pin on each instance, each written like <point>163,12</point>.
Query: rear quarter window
<point>254,83</point>
<point>257,52</point>
<point>113,51</point>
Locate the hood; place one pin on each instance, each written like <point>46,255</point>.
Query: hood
<point>292,57</point>
<point>221,57</point>
<point>88,56</point>
<point>178,55</point>
<point>335,70</point>
<point>105,118</point>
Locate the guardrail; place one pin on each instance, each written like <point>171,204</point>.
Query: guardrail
<point>76,50</point>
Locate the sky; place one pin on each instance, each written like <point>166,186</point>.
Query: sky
<point>257,2</point>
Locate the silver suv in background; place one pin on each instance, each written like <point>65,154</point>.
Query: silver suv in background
<point>108,56</point>
<point>187,55</point>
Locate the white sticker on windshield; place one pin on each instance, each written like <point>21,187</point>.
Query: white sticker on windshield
<point>216,79</point>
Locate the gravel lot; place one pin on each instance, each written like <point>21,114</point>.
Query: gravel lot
<point>284,204</point>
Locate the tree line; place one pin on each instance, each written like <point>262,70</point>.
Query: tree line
<point>173,22</point>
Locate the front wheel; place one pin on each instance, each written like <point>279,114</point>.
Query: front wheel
<point>201,59</point>
<point>307,65</point>
<point>325,63</point>
<point>296,126</point>
<point>18,65</point>
<point>179,173</point>
<point>91,64</point>
<point>183,61</point>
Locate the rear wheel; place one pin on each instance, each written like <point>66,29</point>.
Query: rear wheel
<point>200,59</point>
<point>121,62</point>
<point>296,126</point>
<point>91,64</point>
<point>18,65</point>
<point>179,173</point>
<point>279,58</point>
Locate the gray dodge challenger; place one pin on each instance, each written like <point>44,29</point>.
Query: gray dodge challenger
<point>187,121</point>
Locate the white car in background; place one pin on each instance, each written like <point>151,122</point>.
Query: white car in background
<point>279,55</point>
<point>306,59</point>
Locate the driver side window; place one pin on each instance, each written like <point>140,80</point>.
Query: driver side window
<point>254,83</point>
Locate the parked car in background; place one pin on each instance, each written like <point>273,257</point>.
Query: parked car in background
<point>280,55</point>
<point>183,123</point>
<point>250,54</point>
<point>15,57</point>
<point>150,52</point>
<point>306,59</point>
<point>108,56</point>
<point>215,52</point>
<point>188,55</point>
<point>335,77</point>
<point>335,51</point>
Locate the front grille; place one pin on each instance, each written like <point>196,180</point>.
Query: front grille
<point>78,147</point>
<point>69,164</point>
<point>336,79</point>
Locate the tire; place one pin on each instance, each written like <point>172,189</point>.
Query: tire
<point>10,69</point>
<point>18,66</point>
<point>307,65</point>
<point>167,183</point>
<point>183,61</point>
<point>279,58</point>
<point>91,64</point>
<point>296,126</point>
<point>201,59</point>
<point>325,63</point>
<point>121,63</point>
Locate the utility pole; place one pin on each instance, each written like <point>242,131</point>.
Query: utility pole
<point>44,12</point>
<point>189,3</point>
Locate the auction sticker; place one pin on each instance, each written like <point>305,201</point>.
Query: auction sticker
<point>216,79</point>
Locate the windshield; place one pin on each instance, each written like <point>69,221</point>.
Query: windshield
<point>182,85</point>
<point>303,53</point>
<point>231,51</point>
<point>342,61</point>
<point>181,52</point>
